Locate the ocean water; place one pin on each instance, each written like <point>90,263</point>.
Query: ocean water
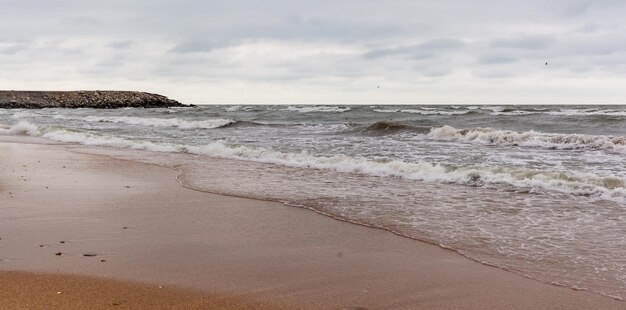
<point>537,190</point>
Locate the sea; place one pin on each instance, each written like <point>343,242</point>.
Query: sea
<point>536,190</point>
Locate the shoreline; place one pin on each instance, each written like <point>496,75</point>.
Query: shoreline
<point>291,255</point>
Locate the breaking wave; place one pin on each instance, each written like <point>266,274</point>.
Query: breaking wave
<point>164,122</point>
<point>583,112</point>
<point>309,109</point>
<point>524,180</point>
<point>424,111</point>
<point>20,129</point>
<point>385,128</point>
<point>529,138</point>
<point>435,112</point>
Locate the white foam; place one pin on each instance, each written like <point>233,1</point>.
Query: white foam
<point>163,122</point>
<point>234,108</point>
<point>308,109</point>
<point>22,128</point>
<point>493,108</point>
<point>387,110</point>
<point>529,138</point>
<point>434,112</point>
<point>581,184</point>
<point>21,114</point>
<point>588,112</point>
<point>514,112</point>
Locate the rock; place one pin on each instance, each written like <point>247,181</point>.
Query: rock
<point>84,99</point>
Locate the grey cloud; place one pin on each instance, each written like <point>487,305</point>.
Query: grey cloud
<point>82,21</point>
<point>167,41</point>
<point>530,42</point>
<point>121,44</point>
<point>192,47</point>
<point>493,74</point>
<point>198,46</point>
<point>13,48</point>
<point>496,59</point>
<point>441,44</point>
<point>423,50</point>
<point>572,8</point>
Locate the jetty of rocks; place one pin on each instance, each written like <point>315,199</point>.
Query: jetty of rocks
<point>84,99</point>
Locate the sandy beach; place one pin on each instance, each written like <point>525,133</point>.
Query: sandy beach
<point>103,232</point>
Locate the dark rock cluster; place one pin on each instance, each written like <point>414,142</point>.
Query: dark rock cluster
<point>83,99</point>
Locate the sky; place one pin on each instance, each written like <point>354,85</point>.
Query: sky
<point>348,51</point>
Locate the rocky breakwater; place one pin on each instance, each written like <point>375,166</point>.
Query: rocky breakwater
<point>84,99</point>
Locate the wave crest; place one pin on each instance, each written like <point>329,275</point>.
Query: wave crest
<point>22,128</point>
<point>309,109</point>
<point>163,122</point>
<point>385,128</point>
<point>529,138</point>
<point>524,180</point>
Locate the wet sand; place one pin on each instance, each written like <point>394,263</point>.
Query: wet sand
<point>136,223</point>
<point>42,291</point>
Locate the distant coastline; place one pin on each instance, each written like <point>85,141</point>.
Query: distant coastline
<point>84,99</point>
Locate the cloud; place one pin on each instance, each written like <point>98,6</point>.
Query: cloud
<point>304,50</point>
<point>192,47</point>
<point>13,48</point>
<point>530,42</point>
<point>496,59</point>
<point>121,44</point>
<point>423,50</point>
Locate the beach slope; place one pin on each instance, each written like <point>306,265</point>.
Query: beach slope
<point>70,215</point>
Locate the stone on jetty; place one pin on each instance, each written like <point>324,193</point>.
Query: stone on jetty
<point>84,99</point>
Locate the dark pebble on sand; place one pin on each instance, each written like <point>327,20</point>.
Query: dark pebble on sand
<point>58,254</point>
<point>62,241</point>
<point>90,254</point>
<point>103,260</point>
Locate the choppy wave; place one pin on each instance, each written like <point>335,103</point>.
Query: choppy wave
<point>387,110</point>
<point>506,111</point>
<point>163,122</point>
<point>515,112</point>
<point>22,128</point>
<point>21,114</point>
<point>424,111</point>
<point>435,112</point>
<point>587,112</point>
<point>384,128</point>
<point>309,109</point>
<point>529,138</point>
<point>525,180</point>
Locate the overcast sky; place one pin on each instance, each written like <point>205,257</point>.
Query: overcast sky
<point>348,51</point>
